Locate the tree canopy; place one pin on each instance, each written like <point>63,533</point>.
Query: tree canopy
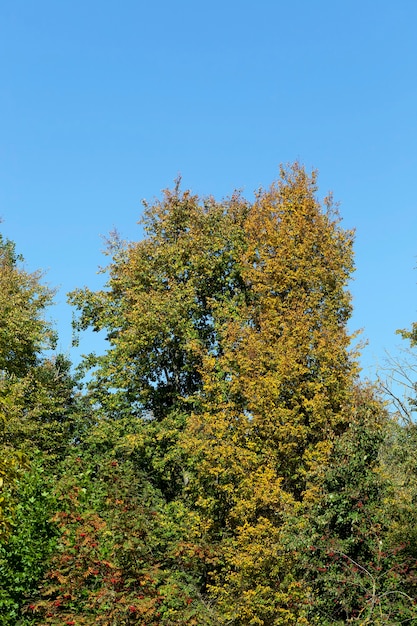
<point>224,463</point>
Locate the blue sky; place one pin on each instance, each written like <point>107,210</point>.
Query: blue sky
<point>104,103</point>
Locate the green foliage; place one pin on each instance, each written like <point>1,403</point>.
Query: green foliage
<point>40,416</point>
<point>24,334</point>
<point>48,412</point>
<point>158,308</point>
<point>121,558</point>
<point>358,569</point>
<point>30,542</point>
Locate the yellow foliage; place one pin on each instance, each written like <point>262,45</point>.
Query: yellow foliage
<point>274,395</point>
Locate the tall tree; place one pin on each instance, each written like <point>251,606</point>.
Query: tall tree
<point>228,344</point>
<point>275,399</point>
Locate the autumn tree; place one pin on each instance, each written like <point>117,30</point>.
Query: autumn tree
<point>229,348</point>
<point>276,398</point>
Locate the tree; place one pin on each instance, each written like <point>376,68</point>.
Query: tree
<point>41,416</point>
<point>356,565</point>
<point>158,311</point>
<point>24,335</point>
<point>275,399</point>
<point>228,346</point>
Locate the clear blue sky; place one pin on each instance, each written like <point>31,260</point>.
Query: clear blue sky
<point>104,103</point>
